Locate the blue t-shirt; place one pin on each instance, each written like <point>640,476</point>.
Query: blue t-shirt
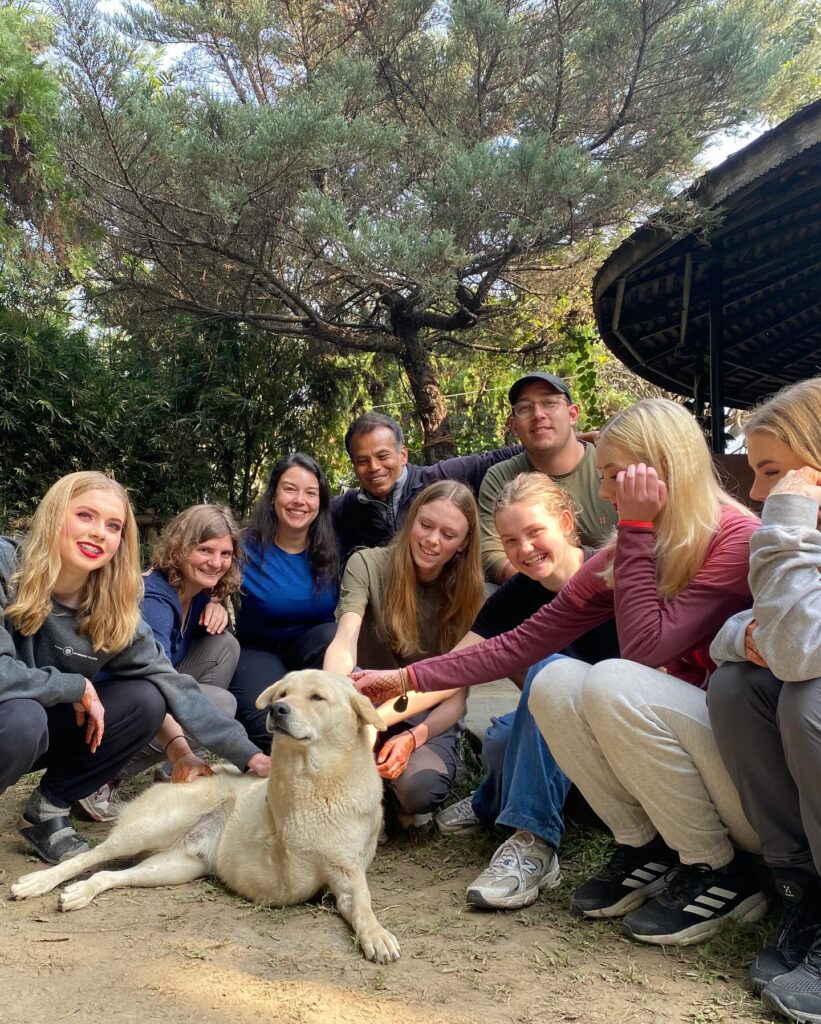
<point>279,601</point>
<point>162,610</point>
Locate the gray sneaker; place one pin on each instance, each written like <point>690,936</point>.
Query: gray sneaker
<point>104,803</point>
<point>459,817</point>
<point>519,869</point>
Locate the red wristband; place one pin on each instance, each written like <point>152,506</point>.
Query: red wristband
<point>641,524</point>
<point>412,683</point>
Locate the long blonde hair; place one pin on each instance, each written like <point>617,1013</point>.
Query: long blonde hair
<point>461,580</point>
<point>793,416</point>
<point>109,610</point>
<point>664,435</point>
<point>194,526</point>
<point>541,490</point>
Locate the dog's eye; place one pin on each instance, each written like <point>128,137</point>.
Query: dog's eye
<point>317,696</point>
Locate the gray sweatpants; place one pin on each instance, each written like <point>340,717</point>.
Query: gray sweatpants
<point>637,742</point>
<point>769,735</point>
<point>211,660</point>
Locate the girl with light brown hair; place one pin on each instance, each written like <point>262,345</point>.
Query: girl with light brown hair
<point>415,598</point>
<point>70,599</point>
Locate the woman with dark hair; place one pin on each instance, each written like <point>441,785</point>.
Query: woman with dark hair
<point>290,585</point>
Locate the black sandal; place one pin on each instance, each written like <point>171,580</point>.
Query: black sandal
<point>54,839</point>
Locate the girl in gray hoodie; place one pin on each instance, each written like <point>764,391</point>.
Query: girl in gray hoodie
<point>69,597</point>
<point>765,699</point>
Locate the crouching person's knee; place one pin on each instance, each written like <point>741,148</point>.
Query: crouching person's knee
<point>23,738</point>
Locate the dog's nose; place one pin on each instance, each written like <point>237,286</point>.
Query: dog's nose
<point>278,714</point>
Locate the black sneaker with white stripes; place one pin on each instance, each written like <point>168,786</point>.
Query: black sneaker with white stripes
<point>632,875</point>
<point>695,903</point>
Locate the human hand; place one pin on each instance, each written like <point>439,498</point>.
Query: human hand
<point>214,618</point>
<point>189,767</point>
<point>90,712</point>
<point>751,651</point>
<point>378,685</point>
<point>805,481</point>
<point>394,754</point>
<point>640,494</point>
<point>260,764</point>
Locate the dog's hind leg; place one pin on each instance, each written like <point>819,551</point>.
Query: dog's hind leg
<point>169,867</point>
<point>37,883</point>
<point>353,900</point>
<point>126,840</point>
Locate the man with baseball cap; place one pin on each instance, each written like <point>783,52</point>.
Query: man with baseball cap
<point>543,417</point>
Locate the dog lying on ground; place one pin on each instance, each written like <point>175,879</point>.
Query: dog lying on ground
<point>313,823</point>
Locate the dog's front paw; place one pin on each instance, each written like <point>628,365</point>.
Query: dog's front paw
<point>77,895</point>
<point>380,945</point>
<point>35,884</point>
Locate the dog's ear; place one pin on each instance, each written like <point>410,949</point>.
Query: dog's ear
<point>367,712</point>
<point>264,699</point>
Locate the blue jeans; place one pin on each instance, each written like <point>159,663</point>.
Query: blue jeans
<point>523,787</point>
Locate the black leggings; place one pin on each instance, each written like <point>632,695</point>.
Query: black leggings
<point>430,771</point>
<point>258,669</point>
<point>33,737</point>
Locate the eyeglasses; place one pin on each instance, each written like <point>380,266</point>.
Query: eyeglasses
<point>525,410</point>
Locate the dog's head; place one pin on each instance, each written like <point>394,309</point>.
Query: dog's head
<point>310,705</point>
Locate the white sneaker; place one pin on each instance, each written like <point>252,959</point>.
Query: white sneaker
<point>518,870</point>
<point>412,820</point>
<point>103,804</point>
<point>459,817</point>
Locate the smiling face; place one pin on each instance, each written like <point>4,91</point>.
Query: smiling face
<point>536,543</point>
<point>377,461</point>
<point>206,564</point>
<point>296,499</point>
<point>543,420</point>
<point>439,531</point>
<point>91,534</point>
<point>769,459</point>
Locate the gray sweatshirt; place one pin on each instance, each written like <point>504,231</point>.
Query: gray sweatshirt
<point>785,562</point>
<point>52,666</point>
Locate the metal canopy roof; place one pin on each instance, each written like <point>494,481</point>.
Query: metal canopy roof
<point>734,314</point>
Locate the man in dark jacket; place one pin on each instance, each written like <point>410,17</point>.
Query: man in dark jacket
<point>369,515</point>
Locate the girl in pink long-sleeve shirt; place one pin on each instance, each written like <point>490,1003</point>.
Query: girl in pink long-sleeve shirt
<point>634,733</point>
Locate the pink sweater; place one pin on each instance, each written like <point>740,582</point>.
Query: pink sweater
<point>671,634</point>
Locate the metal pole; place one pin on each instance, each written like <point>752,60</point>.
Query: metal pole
<point>716,350</point>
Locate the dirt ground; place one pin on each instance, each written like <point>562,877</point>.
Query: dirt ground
<point>197,953</point>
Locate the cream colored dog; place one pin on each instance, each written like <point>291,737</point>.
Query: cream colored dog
<point>314,823</point>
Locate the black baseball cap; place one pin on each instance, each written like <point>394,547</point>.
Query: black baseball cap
<point>547,378</point>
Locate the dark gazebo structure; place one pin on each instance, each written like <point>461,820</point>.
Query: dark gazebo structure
<point>730,315</point>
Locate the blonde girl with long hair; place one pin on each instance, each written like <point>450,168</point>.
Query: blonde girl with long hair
<point>70,596</point>
<point>633,733</point>
<point>415,598</point>
<point>765,697</point>
<point>194,568</point>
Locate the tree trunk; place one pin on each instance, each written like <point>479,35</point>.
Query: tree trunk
<point>430,402</point>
